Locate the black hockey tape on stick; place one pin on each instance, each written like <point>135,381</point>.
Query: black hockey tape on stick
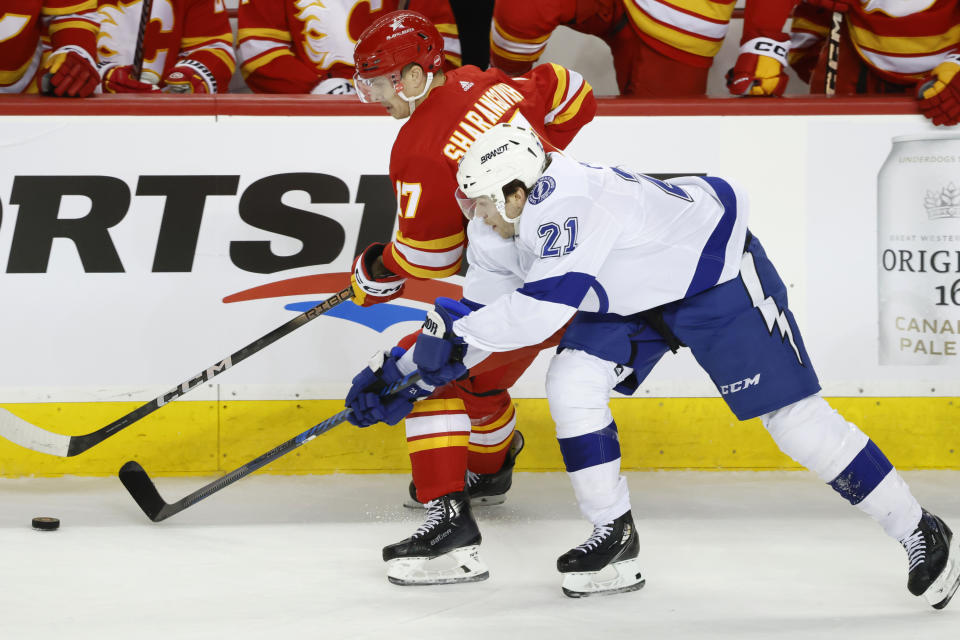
<point>833,54</point>
<point>138,51</point>
<point>30,436</point>
<point>138,483</point>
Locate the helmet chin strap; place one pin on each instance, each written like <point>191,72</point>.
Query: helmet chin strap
<point>501,207</point>
<point>413,101</point>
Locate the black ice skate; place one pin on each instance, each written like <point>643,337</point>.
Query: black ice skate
<point>485,489</point>
<point>606,563</point>
<point>934,566</point>
<point>444,550</point>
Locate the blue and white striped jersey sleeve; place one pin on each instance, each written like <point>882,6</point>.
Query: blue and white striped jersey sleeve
<point>565,244</point>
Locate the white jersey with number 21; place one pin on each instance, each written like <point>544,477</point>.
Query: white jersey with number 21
<point>603,240</point>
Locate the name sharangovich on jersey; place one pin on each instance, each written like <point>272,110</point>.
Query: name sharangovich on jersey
<point>48,209</point>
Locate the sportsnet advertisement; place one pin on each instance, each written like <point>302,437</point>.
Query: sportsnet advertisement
<point>157,247</point>
<point>137,262</point>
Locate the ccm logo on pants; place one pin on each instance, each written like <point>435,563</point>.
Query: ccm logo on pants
<point>740,385</point>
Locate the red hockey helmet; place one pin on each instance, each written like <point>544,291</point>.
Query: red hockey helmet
<point>392,42</point>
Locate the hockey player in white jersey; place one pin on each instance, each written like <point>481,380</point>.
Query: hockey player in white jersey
<point>646,266</point>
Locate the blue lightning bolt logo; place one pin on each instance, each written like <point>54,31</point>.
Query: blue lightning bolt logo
<point>767,306</point>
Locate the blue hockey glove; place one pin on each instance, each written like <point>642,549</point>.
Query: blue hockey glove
<point>369,407</point>
<point>439,351</point>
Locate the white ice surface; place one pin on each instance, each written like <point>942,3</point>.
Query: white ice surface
<point>726,555</point>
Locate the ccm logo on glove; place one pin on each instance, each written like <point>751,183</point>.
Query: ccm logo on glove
<point>939,93</point>
<point>767,47</point>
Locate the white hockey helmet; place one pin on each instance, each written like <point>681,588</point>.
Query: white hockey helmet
<point>502,154</point>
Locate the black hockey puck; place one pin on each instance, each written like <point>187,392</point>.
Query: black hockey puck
<point>44,523</point>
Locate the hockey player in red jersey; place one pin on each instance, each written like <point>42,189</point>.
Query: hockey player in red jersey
<point>658,49</point>
<point>187,46</point>
<point>48,46</point>
<point>306,46</point>
<point>885,47</point>
<point>469,423</point>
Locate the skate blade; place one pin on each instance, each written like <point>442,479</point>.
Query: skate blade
<point>941,591</point>
<point>459,565</point>
<point>619,577</point>
<point>484,501</point>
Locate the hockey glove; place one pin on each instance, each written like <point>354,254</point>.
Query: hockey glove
<point>119,79</point>
<point>759,70</point>
<point>334,87</point>
<point>69,71</point>
<point>939,93</point>
<point>439,351</point>
<point>189,76</point>
<point>371,282</point>
<point>369,407</point>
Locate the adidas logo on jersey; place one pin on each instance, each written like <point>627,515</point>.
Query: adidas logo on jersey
<point>465,85</point>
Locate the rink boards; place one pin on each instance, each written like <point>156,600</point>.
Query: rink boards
<point>194,438</point>
<point>162,242</point>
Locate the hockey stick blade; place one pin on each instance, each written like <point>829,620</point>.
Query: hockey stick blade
<point>144,492</point>
<point>19,431</point>
<point>30,436</point>
<point>139,485</point>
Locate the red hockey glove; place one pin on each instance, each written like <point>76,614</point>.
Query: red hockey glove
<point>370,289</point>
<point>939,93</point>
<point>189,76</point>
<point>759,68</point>
<point>830,5</point>
<point>119,79</point>
<point>69,71</point>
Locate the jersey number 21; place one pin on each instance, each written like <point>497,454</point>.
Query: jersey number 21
<point>554,245</point>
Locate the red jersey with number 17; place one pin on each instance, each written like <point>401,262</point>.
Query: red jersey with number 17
<point>431,237</point>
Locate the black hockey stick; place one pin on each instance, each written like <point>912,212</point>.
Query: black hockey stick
<point>138,50</point>
<point>141,487</point>
<point>30,436</point>
<point>833,54</point>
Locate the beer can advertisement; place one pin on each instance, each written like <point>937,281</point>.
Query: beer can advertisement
<point>918,245</point>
